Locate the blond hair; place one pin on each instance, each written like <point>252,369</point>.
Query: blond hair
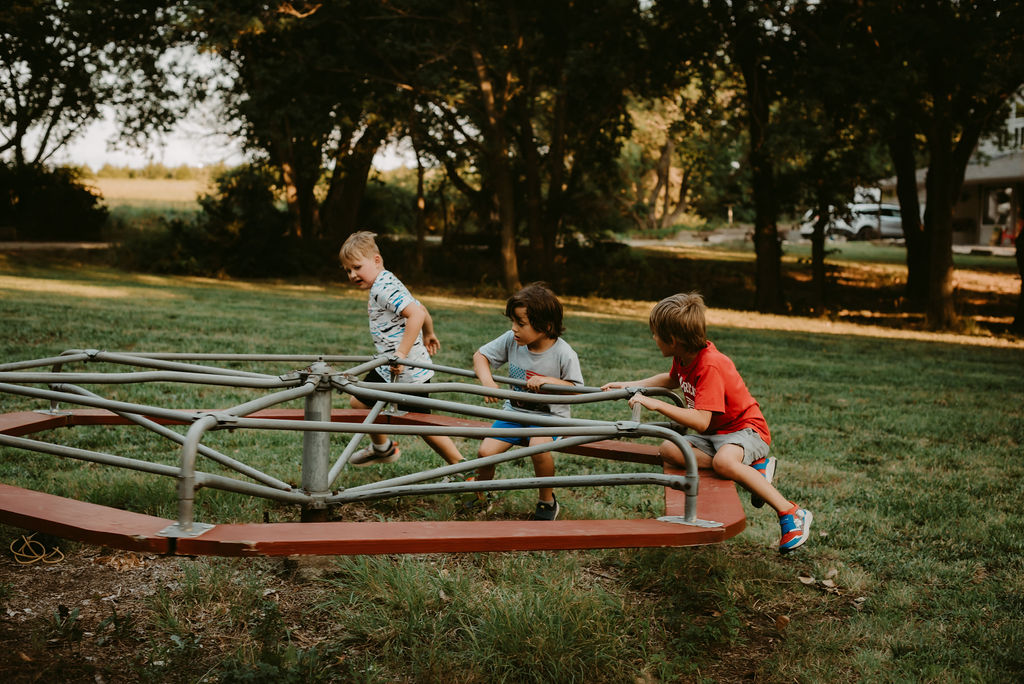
<point>681,319</point>
<point>358,244</point>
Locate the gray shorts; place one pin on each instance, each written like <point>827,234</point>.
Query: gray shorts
<point>747,439</point>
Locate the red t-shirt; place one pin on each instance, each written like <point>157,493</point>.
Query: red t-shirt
<point>711,383</point>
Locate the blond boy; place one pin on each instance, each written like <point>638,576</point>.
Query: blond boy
<point>731,433</point>
<point>400,326</point>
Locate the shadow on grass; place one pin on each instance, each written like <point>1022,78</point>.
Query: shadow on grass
<point>865,284</point>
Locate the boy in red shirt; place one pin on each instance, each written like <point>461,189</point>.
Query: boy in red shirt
<point>732,435</point>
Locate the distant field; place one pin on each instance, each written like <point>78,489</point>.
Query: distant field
<point>146,191</point>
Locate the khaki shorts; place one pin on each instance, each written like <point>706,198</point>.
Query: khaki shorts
<point>747,439</point>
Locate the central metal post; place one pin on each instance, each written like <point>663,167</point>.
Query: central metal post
<point>316,447</point>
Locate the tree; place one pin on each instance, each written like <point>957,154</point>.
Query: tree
<point>836,145</point>
<point>680,155</point>
<point>507,106</point>
<point>946,69</point>
<point>301,94</point>
<point>60,62</point>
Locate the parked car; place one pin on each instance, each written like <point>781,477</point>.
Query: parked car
<point>861,221</point>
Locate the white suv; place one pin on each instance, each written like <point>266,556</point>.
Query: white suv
<point>863,221</point>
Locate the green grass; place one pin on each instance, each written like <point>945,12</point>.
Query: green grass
<point>868,252</point>
<point>908,452</point>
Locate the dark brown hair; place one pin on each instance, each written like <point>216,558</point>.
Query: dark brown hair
<point>543,309</point>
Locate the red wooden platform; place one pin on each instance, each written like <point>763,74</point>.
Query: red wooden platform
<point>717,500</point>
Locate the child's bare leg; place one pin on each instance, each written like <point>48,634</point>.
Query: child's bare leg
<point>728,462</point>
<point>445,447</point>
<point>490,447</point>
<point>379,440</point>
<point>543,466</point>
<point>673,455</point>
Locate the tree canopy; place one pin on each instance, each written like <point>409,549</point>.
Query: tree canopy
<point>554,119</point>
<point>61,62</point>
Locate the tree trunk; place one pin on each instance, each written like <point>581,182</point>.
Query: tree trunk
<point>556,177</point>
<point>682,204</point>
<point>298,180</point>
<point>948,158</point>
<point>938,218</point>
<point>767,247</point>
<point>818,258</point>
<point>298,191</point>
<point>504,194</point>
<point>497,165</point>
<point>661,171</point>
<point>1018,321</point>
<point>901,150</point>
<point>745,36</point>
<point>534,198</point>
<point>421,216</point>
<point>340,210</point>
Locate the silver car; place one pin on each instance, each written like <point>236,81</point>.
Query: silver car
<point>862,221</point>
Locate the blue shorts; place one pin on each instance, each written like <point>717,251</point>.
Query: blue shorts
<point>518,441</point>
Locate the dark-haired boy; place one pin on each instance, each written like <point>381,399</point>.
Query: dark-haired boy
<point>535,352</point>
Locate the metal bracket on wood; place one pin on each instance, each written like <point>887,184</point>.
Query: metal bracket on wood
<point>177,531</point>
<point>681,520</point>
<point>53,412</point>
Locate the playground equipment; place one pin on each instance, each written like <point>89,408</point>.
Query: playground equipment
<point>712,517</point>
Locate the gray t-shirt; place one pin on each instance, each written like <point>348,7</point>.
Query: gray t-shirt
<point>560,361</point>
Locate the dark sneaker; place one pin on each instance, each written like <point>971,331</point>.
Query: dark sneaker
<point>371,455</point>
<point>796,527</point>
<point>765,466</point>
<point>546,511</point>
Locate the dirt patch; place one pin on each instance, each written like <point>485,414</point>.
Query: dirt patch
<point>97,615</point>
<point>60,618</point>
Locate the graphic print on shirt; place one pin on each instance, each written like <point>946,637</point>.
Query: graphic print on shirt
<point>689,393</point>
<point>388,298</point>
<point>517,373</point>
<point>560,361</point>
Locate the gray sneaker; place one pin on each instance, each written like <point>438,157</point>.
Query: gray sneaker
<point>546,511</point>
<point>369,455</point>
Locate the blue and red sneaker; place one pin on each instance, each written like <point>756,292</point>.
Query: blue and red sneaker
<point>796,527</point>
<point>765,466</point>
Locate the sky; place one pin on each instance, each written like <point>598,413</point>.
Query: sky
<point>191,143</point>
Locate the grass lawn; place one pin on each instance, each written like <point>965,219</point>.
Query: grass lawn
<point>905,445</point>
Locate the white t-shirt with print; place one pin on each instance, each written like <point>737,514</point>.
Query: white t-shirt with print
<point>388,298</point>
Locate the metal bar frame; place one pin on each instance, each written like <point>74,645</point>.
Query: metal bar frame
<point>316,383</point>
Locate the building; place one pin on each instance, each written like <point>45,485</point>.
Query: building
<point>991,202</point>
